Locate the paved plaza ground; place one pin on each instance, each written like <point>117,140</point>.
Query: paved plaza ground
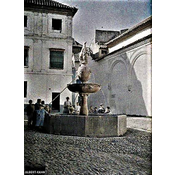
<point>69,155</point>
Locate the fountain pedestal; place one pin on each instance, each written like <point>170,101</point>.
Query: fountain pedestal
<point>84,105</point>
<point>84,90</point>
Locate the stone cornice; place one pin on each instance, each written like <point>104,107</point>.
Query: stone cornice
<point>146,39</point>
<point>45,38</point>
<point>147,23</point>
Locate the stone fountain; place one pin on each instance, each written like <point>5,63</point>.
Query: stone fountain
<point>94,125</point>
<point>84,73</point>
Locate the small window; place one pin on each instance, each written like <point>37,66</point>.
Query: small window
<point>26,55</point>
<point>56,59</point>
<point>56,24</point>
<point>25,21</point>
<point>25,89</point>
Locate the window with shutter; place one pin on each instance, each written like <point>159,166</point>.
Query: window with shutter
<point>56,59</point>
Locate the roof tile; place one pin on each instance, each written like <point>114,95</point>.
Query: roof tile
<point>49,3</point>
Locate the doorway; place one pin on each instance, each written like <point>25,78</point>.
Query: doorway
<point>56,102</point>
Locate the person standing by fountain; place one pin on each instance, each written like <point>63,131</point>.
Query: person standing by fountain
<point>77,108</point>
<point>91,110</point>
<point>40,115</point>
<point>95,110</point>
<point>108,110</point>
<point>71,109</point>
<point>67,105</point>
<point>37,106</point>
<point>101,109</point>
<point>30,112</point>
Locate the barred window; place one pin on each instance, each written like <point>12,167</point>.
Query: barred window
<point>25,21</point>
<point>25,89</point>
<point>26,55</point>
<point>56,58</point>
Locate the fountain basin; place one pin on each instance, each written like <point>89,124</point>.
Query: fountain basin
<point>86,126</point>
<point>84,88</point>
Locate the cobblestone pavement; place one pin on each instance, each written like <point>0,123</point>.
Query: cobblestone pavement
<point>70,155</point>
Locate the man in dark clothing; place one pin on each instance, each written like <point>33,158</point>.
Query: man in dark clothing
<point>37,104</point>
<point>30,112</point>
<point>37,107</point>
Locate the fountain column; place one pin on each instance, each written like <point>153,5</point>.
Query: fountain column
<point>84,105</point>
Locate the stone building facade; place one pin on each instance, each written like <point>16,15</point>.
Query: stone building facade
<point>47,51</point>
<point>124,72</point>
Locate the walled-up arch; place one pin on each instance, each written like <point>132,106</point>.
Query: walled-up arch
<point>118,87</point>
<point>140,81</point>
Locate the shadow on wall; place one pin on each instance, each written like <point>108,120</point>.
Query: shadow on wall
<point>126,95</point>
<point>124,89</point>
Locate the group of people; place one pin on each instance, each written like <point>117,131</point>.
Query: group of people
<point>101,109</point>
<point>36,113</point>
<point>75,109</point>
<point>69,108</point>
